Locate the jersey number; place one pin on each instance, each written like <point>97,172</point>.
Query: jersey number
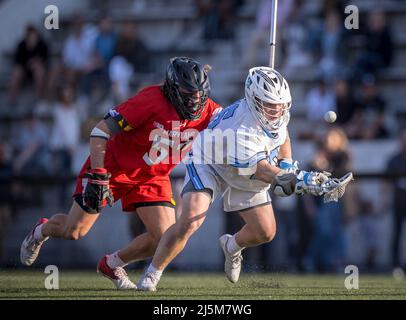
<point>160,149</point>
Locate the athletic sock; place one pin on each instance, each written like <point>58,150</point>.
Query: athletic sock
<point>232,246</point>
<point>38,233</point>
<point>114,261</point>
<point>155,271</point>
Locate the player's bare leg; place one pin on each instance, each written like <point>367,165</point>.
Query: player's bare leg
<point>195,206</point>
<point>259,228</point>
<point>72,226</point>
<point>157,219</point>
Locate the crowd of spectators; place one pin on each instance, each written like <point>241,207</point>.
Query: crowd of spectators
<point>97,63</point>
<point>346,64</point>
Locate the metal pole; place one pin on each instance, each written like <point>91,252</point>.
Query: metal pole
<point>272,40</point>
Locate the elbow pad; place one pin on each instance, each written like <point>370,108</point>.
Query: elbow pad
<point>98,133</point>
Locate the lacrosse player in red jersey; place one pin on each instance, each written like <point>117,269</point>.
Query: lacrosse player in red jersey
<point>132,152</point>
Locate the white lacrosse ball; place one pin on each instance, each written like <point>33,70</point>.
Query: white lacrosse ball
<point>330,116</point>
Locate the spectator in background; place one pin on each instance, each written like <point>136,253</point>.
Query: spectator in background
<point>368,121</point>
<point>6,173</point>
<point>261,32</point>
<point>326,251</point>
<point>294,39</point>
<point>106,41</point>
<point>345,101</point>
<point>319,100</point>
<point>77,52</point>
<point>65,135</point>
<point>105,47</point>
<point>397,166</point>
<point>65,131</point>
<point>120,73</point>
<point>333,47</point>
<point>327,40</point>
<point>30,61</point>
<point>31,146</point>
<point>132,57</point>
<point>333,5</point>
<point>377,50</point>
<point>368,228</point>
<point>131,45</point>
<point>218,17</point>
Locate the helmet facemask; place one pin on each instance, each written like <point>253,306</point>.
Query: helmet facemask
<point>187,87</point>
<point>271,116</point>
<point>194,105</point>
<point>268,97</point>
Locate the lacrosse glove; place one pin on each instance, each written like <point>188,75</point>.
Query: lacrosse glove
<point>289,165</point>
<point>97,192</point>
<point>311,182</point>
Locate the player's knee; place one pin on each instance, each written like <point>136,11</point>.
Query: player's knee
<point>188,227</point>
<point>72,233</point>
<point>155,238</point>
<point>266,235</point>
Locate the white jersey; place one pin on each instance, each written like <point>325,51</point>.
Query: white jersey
<point>234,143</point>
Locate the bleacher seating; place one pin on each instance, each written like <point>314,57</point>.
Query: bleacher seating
<point>171,28</point>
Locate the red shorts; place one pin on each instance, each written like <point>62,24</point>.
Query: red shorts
<point>143,192</point>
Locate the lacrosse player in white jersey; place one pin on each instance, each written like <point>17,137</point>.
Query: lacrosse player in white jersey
<point>253,153</point>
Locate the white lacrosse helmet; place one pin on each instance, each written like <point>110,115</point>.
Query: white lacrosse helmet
<point>265,86</point>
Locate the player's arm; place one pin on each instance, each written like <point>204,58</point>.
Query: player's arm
<point>284,183</point>
<point>97,191</point>
<point>285,160</point>
<point>99,136</point>
<point>112,124</point>
<point>285,151</point>
<point>266,172</point>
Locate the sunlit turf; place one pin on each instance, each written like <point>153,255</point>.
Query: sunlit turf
<point>23,284</point>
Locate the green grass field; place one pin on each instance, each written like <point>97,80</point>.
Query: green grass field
<point>90,285</point>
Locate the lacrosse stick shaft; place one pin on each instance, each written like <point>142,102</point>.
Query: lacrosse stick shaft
<point>272,40</point>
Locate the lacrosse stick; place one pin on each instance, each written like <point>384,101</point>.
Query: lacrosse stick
<point>334,188</point>
<point>272,39</point>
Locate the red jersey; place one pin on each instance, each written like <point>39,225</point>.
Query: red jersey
<point>154,139</point>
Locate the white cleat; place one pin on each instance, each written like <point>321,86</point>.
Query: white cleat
<point>232,264</point>
<point>148,282</point>
<point>398,273</point>
<point>117,275</point>
<point>30,247</point>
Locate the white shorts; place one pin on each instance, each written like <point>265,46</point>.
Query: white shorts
<point>202,177</point>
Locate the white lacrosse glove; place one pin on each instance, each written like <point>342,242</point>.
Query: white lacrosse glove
<point>311,182</point>
<point>289,165</point>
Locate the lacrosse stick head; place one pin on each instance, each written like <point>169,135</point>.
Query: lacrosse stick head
<point>334,188</point>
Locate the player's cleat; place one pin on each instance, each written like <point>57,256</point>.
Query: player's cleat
<point>30,247</point>
<point>232,264</point>
<point>117,275</point>
<point>148,282</point>
<point>398,273</point>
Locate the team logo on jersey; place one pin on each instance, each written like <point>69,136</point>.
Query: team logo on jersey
<point>122,123</point>
<point>113,113</point>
